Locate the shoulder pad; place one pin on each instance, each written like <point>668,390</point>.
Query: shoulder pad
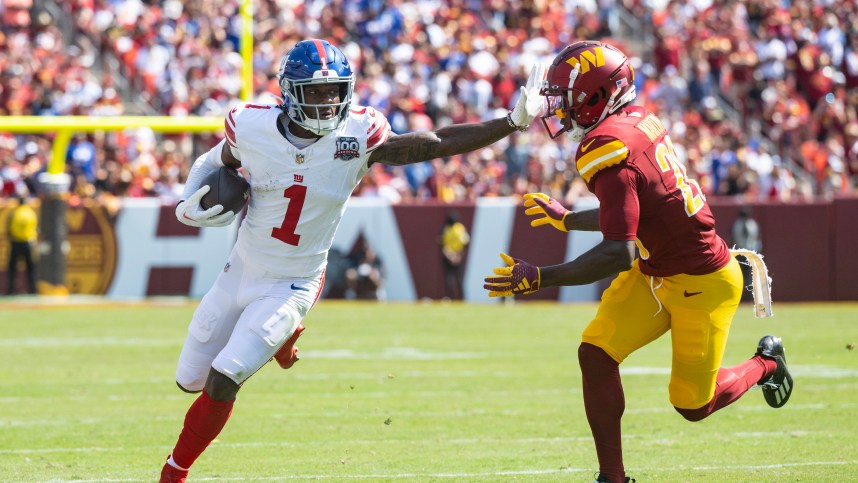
<point>377,127</point>
<point>597,153</point>
<point>229,124</point>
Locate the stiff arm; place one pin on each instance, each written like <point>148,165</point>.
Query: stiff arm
<point>448,141</point>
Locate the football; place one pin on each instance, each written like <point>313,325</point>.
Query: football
<point>228,188</point>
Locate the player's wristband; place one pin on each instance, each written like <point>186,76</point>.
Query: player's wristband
<point>513,125</point>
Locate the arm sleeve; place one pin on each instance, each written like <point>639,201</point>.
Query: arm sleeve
<point>619,209</point>
<point>204,165</point>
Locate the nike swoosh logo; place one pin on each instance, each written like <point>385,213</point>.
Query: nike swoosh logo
<point>298,287</point>
<point>691,294</point>
<point>585,147</point>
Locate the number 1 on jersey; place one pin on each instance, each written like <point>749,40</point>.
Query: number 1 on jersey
<point>286,232</point>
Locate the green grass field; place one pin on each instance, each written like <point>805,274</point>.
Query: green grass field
<point>401,392</point>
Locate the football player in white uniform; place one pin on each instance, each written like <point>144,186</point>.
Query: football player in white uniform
<point>303,160</point>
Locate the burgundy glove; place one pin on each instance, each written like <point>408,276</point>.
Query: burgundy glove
<point>518,277</point>
<point>551,211</point>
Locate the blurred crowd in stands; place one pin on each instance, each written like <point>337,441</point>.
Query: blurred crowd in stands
<point>760,97</point>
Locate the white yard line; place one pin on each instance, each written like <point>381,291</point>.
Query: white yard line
<point>13,423</point>
<point>486,474</point>
<point>219,445</point>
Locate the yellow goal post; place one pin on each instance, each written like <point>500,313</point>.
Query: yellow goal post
<point>55,181</point>
<point>66,126</point>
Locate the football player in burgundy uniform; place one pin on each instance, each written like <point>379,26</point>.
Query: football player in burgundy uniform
<point>303,160</point>
<point>685,280</point>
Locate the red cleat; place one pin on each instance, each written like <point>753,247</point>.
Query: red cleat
<point>171,474</point>
<point>288,354</point>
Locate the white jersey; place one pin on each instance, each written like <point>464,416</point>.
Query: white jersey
<point>298,196</point>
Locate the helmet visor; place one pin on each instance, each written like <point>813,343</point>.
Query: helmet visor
<point>559,114</point>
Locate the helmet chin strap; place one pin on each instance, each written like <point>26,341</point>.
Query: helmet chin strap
<point>323,126</point>
<point>577,133</point>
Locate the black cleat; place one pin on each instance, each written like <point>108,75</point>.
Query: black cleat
<point>604,479</point>
<point>777,387</point>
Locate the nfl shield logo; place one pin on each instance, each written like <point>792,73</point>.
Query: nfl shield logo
<point>299,158</point>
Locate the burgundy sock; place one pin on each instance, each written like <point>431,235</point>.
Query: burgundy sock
<point>730,384</point>
<point>203,422</point>
<point>604,404</point>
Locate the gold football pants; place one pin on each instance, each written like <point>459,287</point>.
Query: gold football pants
<point>697,309</point>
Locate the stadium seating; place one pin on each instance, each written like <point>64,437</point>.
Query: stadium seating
<point>762,98</point>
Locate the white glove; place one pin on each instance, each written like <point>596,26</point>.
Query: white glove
<point>191,213</point>
<point>530,103</point>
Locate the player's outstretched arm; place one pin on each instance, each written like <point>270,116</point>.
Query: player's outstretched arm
<point>462,138</point>
<point>456,139</point>
<point>608,258</point>
<point>520,277</point>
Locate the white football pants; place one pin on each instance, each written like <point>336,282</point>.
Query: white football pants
<point>242,321</point>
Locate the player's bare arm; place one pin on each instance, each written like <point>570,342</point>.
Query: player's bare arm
<point>461,138</point>
<point>584,220</point>
<point>606,259</point>
<point>229,159</point>
<point>447,141</point>
<point>520,277</point>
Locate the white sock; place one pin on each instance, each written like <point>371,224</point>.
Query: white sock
<point>174,465</point>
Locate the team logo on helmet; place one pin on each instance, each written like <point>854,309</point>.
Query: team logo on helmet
<point>589,58</point>
<point>347,148</point>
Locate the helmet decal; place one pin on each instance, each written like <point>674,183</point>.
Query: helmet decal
<point>323,57</point>
<point>587,58</point>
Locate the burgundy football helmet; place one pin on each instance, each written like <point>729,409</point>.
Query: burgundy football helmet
<point>587,81</point>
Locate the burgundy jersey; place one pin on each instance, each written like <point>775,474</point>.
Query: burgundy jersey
<point>645,195</point>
